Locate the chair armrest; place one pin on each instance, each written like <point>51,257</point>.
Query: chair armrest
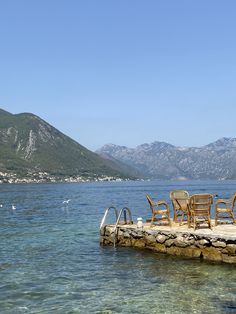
<point>222,201</point>
<point>162,202</point>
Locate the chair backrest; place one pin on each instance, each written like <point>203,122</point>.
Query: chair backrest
<point>150,201</point>
<point>201,201</point>
<point>178,194</point>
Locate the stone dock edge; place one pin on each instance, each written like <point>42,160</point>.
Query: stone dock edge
<point>217,245</point>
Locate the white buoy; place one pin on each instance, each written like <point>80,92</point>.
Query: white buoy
<point>13,207</point>
<point>140,222</point>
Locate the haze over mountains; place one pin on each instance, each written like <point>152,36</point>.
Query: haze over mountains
<point>31,147</point>
<point>161,160</point>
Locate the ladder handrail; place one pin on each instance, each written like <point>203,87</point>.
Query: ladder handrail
<point>106,213</point>
<point>124,209</point>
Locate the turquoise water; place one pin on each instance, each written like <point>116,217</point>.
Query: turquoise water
<point>51,260</point>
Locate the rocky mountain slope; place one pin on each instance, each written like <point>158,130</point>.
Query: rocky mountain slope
<point>29,146</point>
<point>161,160</point>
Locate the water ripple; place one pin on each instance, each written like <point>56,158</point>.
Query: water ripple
<point>51,260</point>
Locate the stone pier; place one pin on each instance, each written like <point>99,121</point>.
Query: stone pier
<point>218,244</point>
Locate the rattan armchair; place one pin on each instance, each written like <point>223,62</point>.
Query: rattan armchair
<point>200,208</point>
<point>180,202</point>
<point>225,212</point>
<point>158,210</point>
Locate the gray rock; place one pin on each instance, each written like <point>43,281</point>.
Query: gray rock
<point>161,238</point>
<point>137,235</point>
<point>231,249</point>
<point>126,234</point>
<point>169,242</point>
<point>181,242</point>
<point>202,242</point>
<point>219,244</point>
<point>150,239</point>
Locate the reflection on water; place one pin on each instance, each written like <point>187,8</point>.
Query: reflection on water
<point>51,261</point>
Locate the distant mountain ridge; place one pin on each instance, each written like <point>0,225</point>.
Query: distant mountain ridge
<point>29,145</point>
<point>161,160</point>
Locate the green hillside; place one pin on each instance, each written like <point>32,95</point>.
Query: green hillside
<point>28,144</point>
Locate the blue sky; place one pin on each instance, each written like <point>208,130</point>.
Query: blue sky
<point>123,72</point>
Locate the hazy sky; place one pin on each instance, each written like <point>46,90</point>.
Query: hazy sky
<point>123,72</point>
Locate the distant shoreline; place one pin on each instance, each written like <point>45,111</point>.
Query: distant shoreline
<point>93,180</point>
<point>60,180</point>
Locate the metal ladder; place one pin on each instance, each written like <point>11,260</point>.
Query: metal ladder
<point>126,221</point>
<point>105,215</point>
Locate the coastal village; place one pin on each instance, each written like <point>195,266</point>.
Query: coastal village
<point>43,177</point>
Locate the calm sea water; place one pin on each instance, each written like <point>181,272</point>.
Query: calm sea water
<point>51,260</point>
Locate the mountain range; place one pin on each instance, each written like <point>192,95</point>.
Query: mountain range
<point>32,148</point>
<point>29,146</point>
<point>160,160</point>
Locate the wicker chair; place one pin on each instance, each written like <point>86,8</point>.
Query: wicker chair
<point>157,210</point>
<point>180,202</point>
<point>225,212</point>
<point>200,208</point>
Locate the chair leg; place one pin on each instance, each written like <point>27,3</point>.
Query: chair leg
<point>182,218</point>
<point>216,219</point>
<point>175,215</point>
<point>209,221</point>
<point>232,214</point>
<point>152,221</point>
<point>169,219</point>
<point>189,219</point>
